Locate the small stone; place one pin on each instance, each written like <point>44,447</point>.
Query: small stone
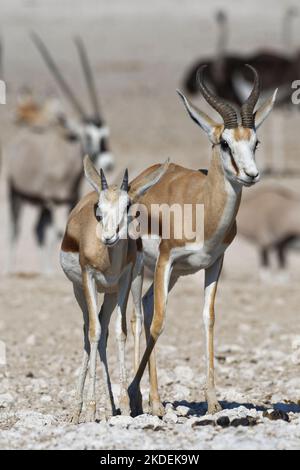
<point>146,421</point>
<point>182,410</point>
<point>170,417</point>
<point>6,399</point>
<point>46,399</point>
<point>276,415</point>
<point>296,343</point>
<point>31,340</point>
<point>240,422</point>
<point>203,422</point>
<point>252,420</point>
<point>223,421</point>
<point>169,407</point>
<point>221,359</point>
<point>122,421</point>
<point>29,375</point>
<point>296,358</point>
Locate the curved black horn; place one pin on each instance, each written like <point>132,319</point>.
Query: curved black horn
<point>104,184</point>
<point>89,78</point>
<point>125,184</point>
<point>247,110</point>
<point>225,110</point>
<point>57,74</point>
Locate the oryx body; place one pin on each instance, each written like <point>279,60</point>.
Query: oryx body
<point>45,159</point>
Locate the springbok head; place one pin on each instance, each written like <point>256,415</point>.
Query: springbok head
<point>90,130</point>
<point>114,201</point>
<point>237,141</point>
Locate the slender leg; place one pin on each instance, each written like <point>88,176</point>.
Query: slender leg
<point>155,403</point>
<point>121,336</point>
<point>79,295</point>
<point>137,316</point>
<point>148,303</point>
<point>265,264</point>
<point>108,307</point>
<point>15,207</point>
<point>161,288</point>
<point>45,236</point>
<point>94,337</point>
<point>281,251</point>
<point>212,275</point>
<point>265,258</point>
<point>282,248</point>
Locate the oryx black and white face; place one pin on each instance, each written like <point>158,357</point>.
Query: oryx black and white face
<point>92,133</point>
<point>95,142</point>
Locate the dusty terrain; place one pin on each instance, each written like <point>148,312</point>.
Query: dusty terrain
<point>258,360</point>
<point>140,53</point>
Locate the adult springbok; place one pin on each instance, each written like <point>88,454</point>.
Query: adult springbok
<point>98,256</point>
<point>219,192</point>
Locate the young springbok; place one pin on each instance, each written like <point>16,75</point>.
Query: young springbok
<point>219,192</point>
<point>98,256</point>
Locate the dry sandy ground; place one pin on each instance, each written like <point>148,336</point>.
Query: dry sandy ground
<point>140,51</point>
<point>258,359</point>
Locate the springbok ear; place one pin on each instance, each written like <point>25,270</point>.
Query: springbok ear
<point>148,181</point>
<point>91,174</point>
<point>200,118</point>
<point>263,112</point>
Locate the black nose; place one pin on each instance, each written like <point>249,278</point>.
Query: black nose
<point>252,176</point>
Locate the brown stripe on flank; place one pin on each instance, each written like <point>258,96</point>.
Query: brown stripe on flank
<point>69,245</point>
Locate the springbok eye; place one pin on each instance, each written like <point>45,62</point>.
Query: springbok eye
<point>224,145</point>
<point>98,214</point>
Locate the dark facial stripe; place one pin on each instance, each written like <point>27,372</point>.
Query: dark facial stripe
<point>103,147</point>
<point>233,162</point>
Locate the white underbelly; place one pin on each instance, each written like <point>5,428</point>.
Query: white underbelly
<point>71,266</point>
<point>193,261</point>
<point>185,260</point>
<point>105,283</point>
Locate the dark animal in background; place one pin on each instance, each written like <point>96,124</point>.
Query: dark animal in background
<point>229,78</point>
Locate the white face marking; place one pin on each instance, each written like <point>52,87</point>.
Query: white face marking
<point>238,157</point>
<point>104,160</point>
<point>94,144</point>
<point>112,211</point>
